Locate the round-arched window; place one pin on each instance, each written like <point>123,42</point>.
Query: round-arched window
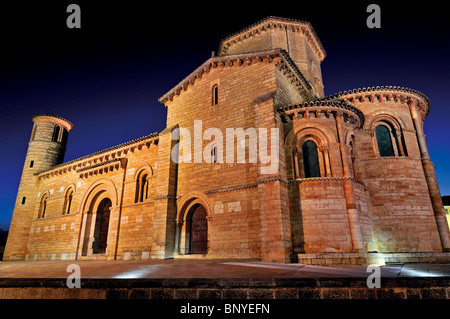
<point>384,141</point>
<point>310,159</point>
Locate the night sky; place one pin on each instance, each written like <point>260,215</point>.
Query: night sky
<point>107,76</point>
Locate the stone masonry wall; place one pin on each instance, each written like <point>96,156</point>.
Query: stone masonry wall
<point>324,217</point>
<point>228,288</point>
<point>401,210</point>
<point>58,235</point>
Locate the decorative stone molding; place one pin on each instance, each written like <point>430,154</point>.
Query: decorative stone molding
<point>324,179</point>
<point>106,166</point>
<point>67,124</point>
<point>229,189</point>
<point>272,179</point>
<point>270,23</point>
<point>293,73</point>
<point>325,108</point>
<point>101,157</point>
<point>289,68</point>
<point>247,186</point>
<point>390,158</point>
<point>159,197</point>
<point>379,94</point>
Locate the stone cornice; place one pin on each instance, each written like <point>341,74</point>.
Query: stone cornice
<point>286,65</point>
<point>60,119</point>
<point>102,167</point>
<point>246,186</point>
<point>272,22</point>
<point>390,158</point>
<point>97,158</point>
<point>166,196</point>
<point>291,70</point>
<point>325,179</point>
<point>101,164</point>
<point>325,106</point>
<point>229,189</point>
<point>385,93</point>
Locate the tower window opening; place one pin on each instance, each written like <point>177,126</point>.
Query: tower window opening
<point>23,200</point>
<point>31,164</point>
<point>65,135</point>
<point>55,135</point>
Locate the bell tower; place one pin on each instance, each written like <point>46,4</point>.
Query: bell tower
<point>46,148</point>
<point>297,38</point>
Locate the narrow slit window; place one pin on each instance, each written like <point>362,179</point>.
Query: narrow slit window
<point>215,95</point>
<point>43,207</point>
<point>31,164</point>
<point>24,199</point>
<point>214,155</point>
<point>142,188</point>
<point>68,202</point>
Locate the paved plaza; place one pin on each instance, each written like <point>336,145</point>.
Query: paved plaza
<point>207,268</point>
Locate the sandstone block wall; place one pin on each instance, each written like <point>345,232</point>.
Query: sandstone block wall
<point>401,210</point>
<point>263,81</point>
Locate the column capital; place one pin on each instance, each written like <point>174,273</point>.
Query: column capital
<point>179,222</point>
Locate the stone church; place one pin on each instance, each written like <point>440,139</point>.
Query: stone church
<point>353,182</point>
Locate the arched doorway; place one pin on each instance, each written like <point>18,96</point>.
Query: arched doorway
<point>199,231</point>
<point>101,226</point>
<point>97,206</point>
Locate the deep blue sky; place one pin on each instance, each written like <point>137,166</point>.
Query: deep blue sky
<point>107,76</point>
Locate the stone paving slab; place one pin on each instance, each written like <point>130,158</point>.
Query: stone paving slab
<point>218,279</point>
<point>206,268</point>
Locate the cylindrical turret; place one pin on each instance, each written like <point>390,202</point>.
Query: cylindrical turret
<point>46,149</point>
<point>393,161</point>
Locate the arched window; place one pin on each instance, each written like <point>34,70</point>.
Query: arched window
<point>384,141</point>
<point>68,202</point>
<point>55,135</point>
<point>43,206</point>
<point>142,188</point>
<point>65,135</point>
<point>310,159</point>
<point>215,95</point>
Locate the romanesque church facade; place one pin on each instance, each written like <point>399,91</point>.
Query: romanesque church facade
<point>353,177</point>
